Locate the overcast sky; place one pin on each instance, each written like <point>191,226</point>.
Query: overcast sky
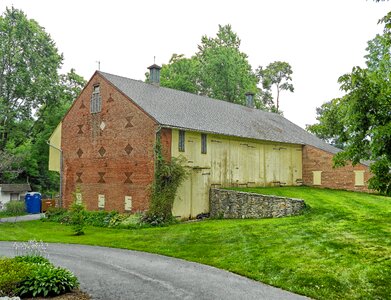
<point>322,40</point>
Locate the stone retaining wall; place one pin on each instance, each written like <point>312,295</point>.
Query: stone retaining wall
<point>240,205</point>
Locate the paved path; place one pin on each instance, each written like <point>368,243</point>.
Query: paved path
<point>22,218</point>
<point>107,273</point>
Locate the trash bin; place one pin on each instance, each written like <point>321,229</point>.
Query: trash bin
<point>46,203</point>
<point>33,202</point>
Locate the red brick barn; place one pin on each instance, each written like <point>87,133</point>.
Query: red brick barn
<point>105,144</point>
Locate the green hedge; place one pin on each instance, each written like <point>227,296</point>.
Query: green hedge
<point>111,219</point>
<point>32,276</point>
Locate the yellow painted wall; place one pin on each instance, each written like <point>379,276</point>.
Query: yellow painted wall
<point>231,161</point>
<point>54,154</point>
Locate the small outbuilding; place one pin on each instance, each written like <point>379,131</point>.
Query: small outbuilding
<point>12,191</point>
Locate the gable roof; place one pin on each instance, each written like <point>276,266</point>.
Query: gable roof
<point>15,187</point>
<point>178,109</point>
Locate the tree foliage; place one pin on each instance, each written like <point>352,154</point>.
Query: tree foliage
<point>277,74</point>
<point>33,98</point>
<point>218,70</point>
<point>364,113</point>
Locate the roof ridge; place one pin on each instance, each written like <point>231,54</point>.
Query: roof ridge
<point>225,102</point>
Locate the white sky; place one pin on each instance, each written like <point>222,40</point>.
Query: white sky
<point>322,40</point>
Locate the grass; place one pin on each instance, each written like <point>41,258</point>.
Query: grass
<point>6,214</point>
<point>339,249</point>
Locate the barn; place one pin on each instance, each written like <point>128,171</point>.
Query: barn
<point>104,147</point>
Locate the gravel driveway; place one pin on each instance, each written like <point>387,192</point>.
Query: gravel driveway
<point>107,273</point>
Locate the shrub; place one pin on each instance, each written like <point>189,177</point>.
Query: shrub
<point>12,272</point>
<point>168,177</point>
<point>99,218</point>
<point>32,259</point>
<point>15,208</point>
<point>57,214</point>
<point>47,280</point>
<point>77,218</point>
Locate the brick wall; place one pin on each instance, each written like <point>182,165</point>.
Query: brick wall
<point>315,159</point>
<point>109,153</point>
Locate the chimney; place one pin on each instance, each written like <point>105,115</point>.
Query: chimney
<point>154,74</point>
<point>250,99</point>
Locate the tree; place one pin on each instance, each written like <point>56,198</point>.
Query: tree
<point>29,62</point>
<point>33,98</point>
<point>276,74</point>
<point>225,72</point>
<point>181,73</point>
<point>331,128</point>
<point>366,126</point>
<point>217,70</point>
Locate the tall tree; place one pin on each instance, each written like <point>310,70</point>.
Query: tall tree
<point>277,74</point>
<point>29,63</point>
<point>181,73</point>
<point>367,107</point>
<point>33,98</point>
<point>217,70</point>
<point>225,72</point>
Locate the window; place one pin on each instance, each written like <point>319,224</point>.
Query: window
<point>96,100</point>
<point>359,178</point>
<point>203,143</point>
<point>317,177</point>
<point>14,196</point>
<point>181,141</point>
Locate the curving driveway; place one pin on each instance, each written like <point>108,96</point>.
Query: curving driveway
<point>107,273</point>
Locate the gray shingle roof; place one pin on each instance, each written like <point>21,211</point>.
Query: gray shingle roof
<point>15,187</point>
<point>173,108</point>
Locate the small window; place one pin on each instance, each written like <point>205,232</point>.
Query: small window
<point>181,141</point>
<point>317,177</point>
<point>359,178</point>
<point>96,100</point>
<point>203,143</point>
<point>14,196</point>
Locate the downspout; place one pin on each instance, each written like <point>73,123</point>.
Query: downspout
<point>50,145</point>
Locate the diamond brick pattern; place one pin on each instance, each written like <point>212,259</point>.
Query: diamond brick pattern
<point>79,152</point>
<point>128,180</point>
<point>102,151</point>
<point>78,179</point>
<point>128,149</point>
<point>110,99</point>
<point>82,105</point>
<point>129,122</point>
<point>101,177</point>
<point>80,129</point>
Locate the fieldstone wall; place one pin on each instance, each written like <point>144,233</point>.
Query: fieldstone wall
<point>240,205</point>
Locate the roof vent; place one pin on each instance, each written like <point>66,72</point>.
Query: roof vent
<point>250,99</point>
<point>154,74</point>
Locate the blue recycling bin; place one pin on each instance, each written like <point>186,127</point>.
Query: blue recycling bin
<point>33,202</point>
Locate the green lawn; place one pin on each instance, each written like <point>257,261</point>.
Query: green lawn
<point>339,249</point>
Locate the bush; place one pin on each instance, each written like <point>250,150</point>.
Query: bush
<point>15,208</point>
<point>99,218</point>
<point>32,259</point>
<point>12,272</point>
<point>57,214</point>
<point>77,218</point>
<point>47,280</point>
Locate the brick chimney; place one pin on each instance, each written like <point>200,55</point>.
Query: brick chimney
<point>250,99</point>
<point>154,74</point>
